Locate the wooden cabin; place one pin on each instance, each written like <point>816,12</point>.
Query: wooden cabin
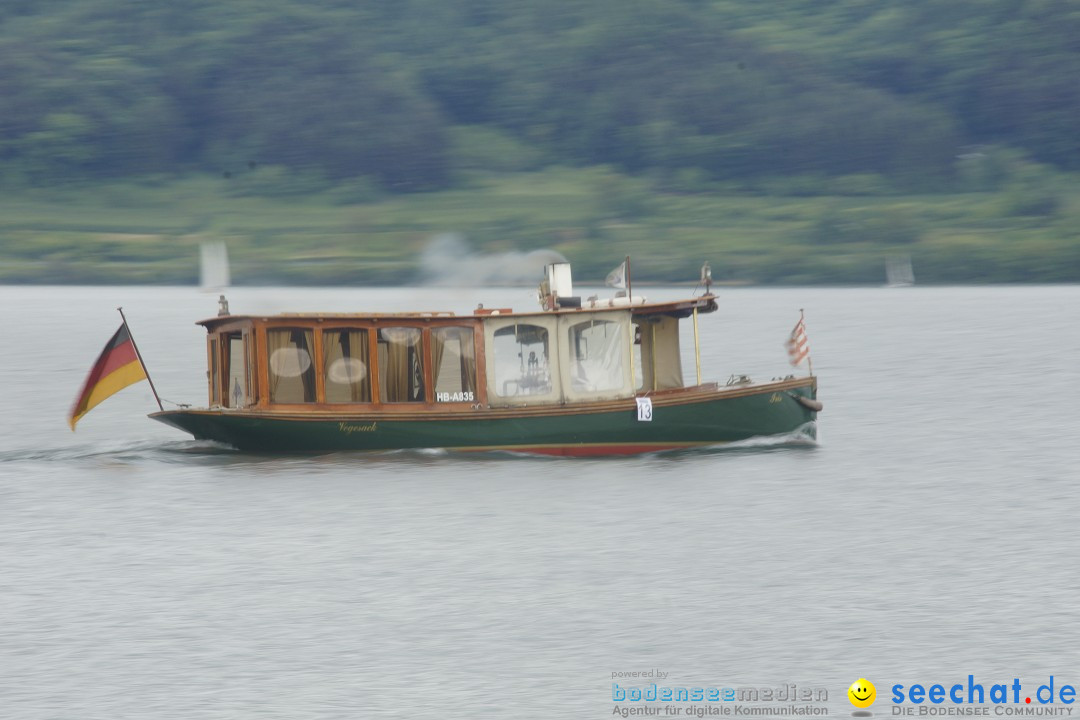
<point>441,362</point>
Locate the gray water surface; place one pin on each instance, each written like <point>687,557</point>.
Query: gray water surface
<point>931,534</point>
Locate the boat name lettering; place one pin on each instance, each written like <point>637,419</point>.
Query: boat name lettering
<point>350,428</point>
<point>467,396</point>
<point>775,399</point>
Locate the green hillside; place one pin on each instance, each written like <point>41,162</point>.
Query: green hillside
<point>326,141</point>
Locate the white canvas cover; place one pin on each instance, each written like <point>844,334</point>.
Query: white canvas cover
<point>596,355</point>
<point>659,353</point>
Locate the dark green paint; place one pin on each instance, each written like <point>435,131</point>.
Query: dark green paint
<point>716,419</point>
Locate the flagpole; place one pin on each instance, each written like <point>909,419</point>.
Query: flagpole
<point>809,360</point>
<point>697,347</point>
<point>139,355</point>
<point>629,283</point>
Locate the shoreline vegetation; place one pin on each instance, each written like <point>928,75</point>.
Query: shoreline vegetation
<point>335,143</point>
<point>148,231</point>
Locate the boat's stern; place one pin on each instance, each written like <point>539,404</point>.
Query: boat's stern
<point>197,422</point>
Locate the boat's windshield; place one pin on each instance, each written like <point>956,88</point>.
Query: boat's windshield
<point>522,360</point>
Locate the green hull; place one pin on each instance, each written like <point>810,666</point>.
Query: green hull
<point>704,416</point>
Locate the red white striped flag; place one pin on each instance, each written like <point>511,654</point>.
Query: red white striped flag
<point>798,346</point>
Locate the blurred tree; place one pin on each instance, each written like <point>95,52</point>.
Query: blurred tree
<point>731,88</point>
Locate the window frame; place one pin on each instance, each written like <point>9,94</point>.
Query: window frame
<point>421,352</point>
<point>314,356</point>
<point>434,369</point>
<point>213,369</point>
<point>548,323</point>
<point>226,339</point>
<point>567,323</point>
<point>369,361</point>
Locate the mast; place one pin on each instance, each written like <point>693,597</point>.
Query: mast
<point>139,355</point>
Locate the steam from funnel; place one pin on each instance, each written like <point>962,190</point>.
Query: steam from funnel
<point>447,261</point>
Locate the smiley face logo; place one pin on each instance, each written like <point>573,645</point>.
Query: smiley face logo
<point>862,693</point>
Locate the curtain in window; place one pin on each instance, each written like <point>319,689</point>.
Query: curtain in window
<point>301,339</point>
<point>462,361</point>
<point>345,366</point>
<point>404,371</point>
<point>277,341</point>
<point>292,375</point>
<point>439,338</point>
<point>468,361</point>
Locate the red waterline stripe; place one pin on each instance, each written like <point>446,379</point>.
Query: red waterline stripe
<point>593,450</point>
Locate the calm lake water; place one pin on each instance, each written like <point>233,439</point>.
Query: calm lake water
<point>931,534</point>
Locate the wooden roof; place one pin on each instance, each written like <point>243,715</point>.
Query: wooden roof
<point>676,308</point>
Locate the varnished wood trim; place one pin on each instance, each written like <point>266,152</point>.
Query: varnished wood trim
<point>479,348</point>
<point>263,368</point>
<point>211,342</point>
<point>427,352</point>
<point>373,365</point>
<point>443,411</point>
<point>317,361</point>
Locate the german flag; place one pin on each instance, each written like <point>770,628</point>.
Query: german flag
<point>117,367</point>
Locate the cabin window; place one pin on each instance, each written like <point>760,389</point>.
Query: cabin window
<point>401,368</point>
<point>659,354</point>
<point>454,364</point>
<point>345,366</point>
<point>215,385</point>
<point>292,374</point>
<point>598,349</point>
<point>522,361</point>
<point>236,387</point>
<point>252,374</point>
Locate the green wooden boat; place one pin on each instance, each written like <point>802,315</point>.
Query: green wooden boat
<point>578,377</point>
